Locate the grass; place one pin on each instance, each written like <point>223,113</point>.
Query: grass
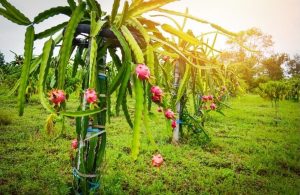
<point>248,154</point>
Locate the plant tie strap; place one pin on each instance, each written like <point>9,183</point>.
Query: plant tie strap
<point>79,175</point>
<point>179,121</point>
<point>96,131</point>
<point>102,76</point>
<point>102,95</point>
<point>94,185</point>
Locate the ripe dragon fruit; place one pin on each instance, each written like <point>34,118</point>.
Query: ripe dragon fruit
<point>213,106</point>
<point>156,99</point>
<point>173,124</point>
<point>157,94</point>
<point>157,160</point>
<point>166,58</point>
<point>156,91</point>
<point>204,98</point>
<point>74,144</point>
<point>210,97</point>
<point>90,95</point>
<point>169,114</point>
<point>57,96</point>
<point>142,71</point>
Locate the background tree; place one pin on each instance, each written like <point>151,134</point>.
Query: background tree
<point>294,66</point>
<point>273,66</point>
<point>246,51</point>
<point>2,61</point>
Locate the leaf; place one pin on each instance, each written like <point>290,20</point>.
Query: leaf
<point>82,113</point>
<point>45,64</point>
<point>123,87</point>
<point>185,19</point>
<point>183,83</point>
<point>125,111</point>
<point>123,43</point>
<point>28,48</point>
<point>137,51</point>
<point>77,60</point>
<point>146,116</point>
<point>15,12</point>
<point>138,26</point>
<point>117,80</point>
<point>137,118</point>
<point>52,12</point>
<point>135,3</point>
<point>150,57</point>
<point>65,50</point>
<point>126,64</point>
<point>114,11</point>
<point>50,31</point>
<point>220,111</point>
<point>147,6</point>
<point>166,53</point>
<point>11,17</point>
<point>72,4</point>
<point>176,50</point>
<point>180,34</point>
<point>198,20</point>
<point>95,6</point>
<point>123,15</point>
<point>169,17</point>
<point>95,28</point>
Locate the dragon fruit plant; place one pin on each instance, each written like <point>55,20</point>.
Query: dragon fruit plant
<point>141,42</point>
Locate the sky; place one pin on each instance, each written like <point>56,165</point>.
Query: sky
<point>279,18</point>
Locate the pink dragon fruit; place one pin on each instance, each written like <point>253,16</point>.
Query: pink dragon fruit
<point>142,71</point>
<point>156,99</point>
<point>166,58</point>
<point>157,94</point>
<point>157,160</point>
<point>169,114</point>
<point>173,124</point>
<point>90,95</point>
<point>204,98</point>
<point>210,97</point>
<point>74,144</point>
<point>156,91</point>
<point>57,96</point>
<point>213,106</point>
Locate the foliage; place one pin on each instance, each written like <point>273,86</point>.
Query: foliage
<point>92,33</point>
<point>245,54</point>
<point>293,89</point>
<point>294,66</point>
<point>273,90</point>
<point>2,60</point>
<point>273,66</point>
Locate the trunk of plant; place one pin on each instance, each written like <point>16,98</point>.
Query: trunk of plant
<point>92,139</point>
<point>177,129</point>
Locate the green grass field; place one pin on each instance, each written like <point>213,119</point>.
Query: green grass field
<point>248,153</point>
